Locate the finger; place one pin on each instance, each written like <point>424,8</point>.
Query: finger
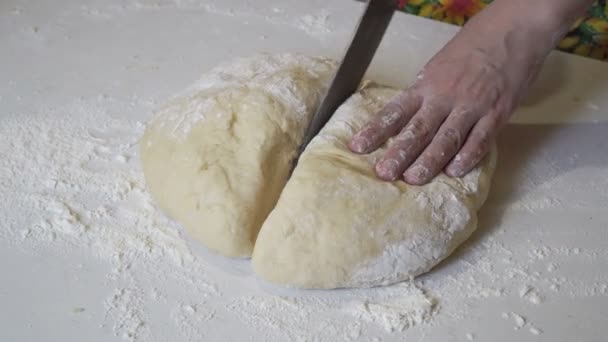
<point>386,123</point>
<point>448,140</point>
<point>475,147</point>
<point>411,141</point>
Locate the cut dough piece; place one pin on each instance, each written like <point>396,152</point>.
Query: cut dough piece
<point>216,158</point>
<point>337,225</point>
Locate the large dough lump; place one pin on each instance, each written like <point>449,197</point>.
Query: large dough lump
<point>216,158</point>
<point>337,225</point>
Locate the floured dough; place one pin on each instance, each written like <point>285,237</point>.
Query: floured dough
<point>337,225</point>
<point>216,158</point>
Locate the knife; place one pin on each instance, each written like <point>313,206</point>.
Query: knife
<point>359,54</point>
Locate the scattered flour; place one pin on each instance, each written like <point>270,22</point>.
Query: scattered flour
<point>535,331</point>
<point>190,318</point>
<point>315,24</point>
<point>77,195</point>
<point>70,181</point>
<point>124,311</point>
<point>85,191</point>
<point>519,320</point>
<point>394,309</point>
<point>531,294</point>
<point>398,314</point>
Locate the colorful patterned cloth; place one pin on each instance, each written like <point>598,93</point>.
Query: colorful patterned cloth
<point>587,37</point>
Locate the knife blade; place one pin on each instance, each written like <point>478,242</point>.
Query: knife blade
<point>365,41</point>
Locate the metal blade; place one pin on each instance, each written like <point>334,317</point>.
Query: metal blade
<point>368,35</point>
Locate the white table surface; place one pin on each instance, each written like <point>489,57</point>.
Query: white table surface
<point>544,227</point>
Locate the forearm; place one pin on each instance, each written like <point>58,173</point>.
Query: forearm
<point>565,12</point>
<point>542,22</point>
<point>516,34</point>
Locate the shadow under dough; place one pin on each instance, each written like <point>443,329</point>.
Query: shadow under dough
<point>530,156</point>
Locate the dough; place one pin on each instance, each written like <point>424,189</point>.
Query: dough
<point>216,158</point>
<point>336,225</point>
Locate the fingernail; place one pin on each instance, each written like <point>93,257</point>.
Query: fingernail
<point>359,145</point>
<point>387,169</point>
<point>455,169</point>
<point>416,174</point>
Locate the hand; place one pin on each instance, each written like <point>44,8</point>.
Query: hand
<point>449,118</point>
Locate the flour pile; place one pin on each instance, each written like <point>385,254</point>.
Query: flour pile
<point>71,182</point>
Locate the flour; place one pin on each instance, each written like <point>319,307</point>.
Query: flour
<point>85,191</point>
<point>519,320</point>
<point>398,232</point>
<point>535,331</point>
<point>398,314</point>
<point>265,74</point>
<point>531,294</point>
<point>536,204</point>
<point>70,183</point>
<point>124,312</point>
<point>190,317</point>
<point>394,309</point>
<point>81,194</point>
<point>315,24</point>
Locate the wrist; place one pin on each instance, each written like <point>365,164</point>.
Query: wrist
<point>521,29</point>
<point>541,18</point>
<point>522,20</point>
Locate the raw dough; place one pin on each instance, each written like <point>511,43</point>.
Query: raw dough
<point>336,225</point>
<point>216,158</point>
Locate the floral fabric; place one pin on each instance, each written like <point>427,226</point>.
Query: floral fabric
<point>587,37</point>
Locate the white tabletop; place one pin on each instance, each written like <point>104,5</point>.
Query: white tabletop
<point>84,255</point>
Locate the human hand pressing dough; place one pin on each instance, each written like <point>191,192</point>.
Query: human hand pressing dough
<point>449,118</point>
<point>337,225</point>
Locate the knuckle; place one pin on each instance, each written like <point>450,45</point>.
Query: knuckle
<point>483,139</point>
<point>494,121</point>
<point>451,137</point>
<point>438,104</point>
<point>464,114</point>
<point>432,161</point>
<point>401,154</point>
<point>420,128</point>
<point>505,107</point>
<point>479,150</point>
<point>476,156</point>
<point>373,126</point>
<point>390,116</point>
<point>393,106</point>
<point>365,133</point>
<point>465,166</point>
<point>404,102</point>
<point>398,103</point>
